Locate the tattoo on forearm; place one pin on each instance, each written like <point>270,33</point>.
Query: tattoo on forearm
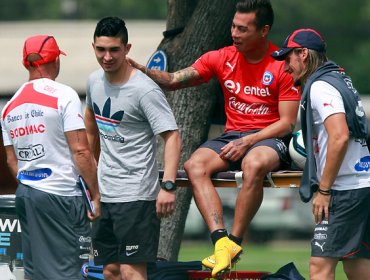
<point>161,78</point>
<point>181,79</point>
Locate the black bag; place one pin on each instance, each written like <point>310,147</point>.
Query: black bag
<point>160,270</point>
<point>287,272</point>
<point>168,270</point>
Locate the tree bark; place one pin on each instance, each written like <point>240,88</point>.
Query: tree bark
<point>205,26</point>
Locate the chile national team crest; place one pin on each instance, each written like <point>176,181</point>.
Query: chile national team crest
<point>267,78</point>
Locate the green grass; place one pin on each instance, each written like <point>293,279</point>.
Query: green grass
<point>268,257</point>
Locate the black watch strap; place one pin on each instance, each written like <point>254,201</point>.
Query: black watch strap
<point>168,186</point>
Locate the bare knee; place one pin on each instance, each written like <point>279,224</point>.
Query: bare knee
<point>111,272</point>
<point>137,271</point>
<point>254,172</point>
<point>322,268</point>
<point>357,268</point>
<point>195,168</point>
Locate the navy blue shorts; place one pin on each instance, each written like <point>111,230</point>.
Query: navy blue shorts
<point>280,145</point>
<point>346,235</point>
<point>56,238</point>
<point>126,233</point>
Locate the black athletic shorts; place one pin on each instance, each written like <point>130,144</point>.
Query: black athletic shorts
<point>346,234</point>
<point>280,145</point>
<point>126,233</point>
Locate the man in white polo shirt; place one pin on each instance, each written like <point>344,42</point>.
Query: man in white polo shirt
<point>46,147</point>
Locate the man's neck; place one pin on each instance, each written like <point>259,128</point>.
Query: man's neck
<point>258,54</point>
<point>121,76</point>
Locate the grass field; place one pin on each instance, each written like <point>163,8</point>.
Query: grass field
<point>269,257</point>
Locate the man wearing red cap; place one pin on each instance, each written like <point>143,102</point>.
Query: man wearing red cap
<point>261,107</point>
<point>337,173</point>
<point>46,146</point>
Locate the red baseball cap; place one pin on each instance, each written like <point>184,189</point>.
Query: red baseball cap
<point>301,38</point>
<point>43,45</point>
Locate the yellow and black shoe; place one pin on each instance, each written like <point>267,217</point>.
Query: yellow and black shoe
<point>226,250</point>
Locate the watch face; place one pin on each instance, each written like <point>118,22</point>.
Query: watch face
<point>169,186</point>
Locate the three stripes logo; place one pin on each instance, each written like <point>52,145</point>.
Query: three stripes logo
<point>104,119</point>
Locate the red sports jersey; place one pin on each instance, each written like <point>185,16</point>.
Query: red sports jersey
<point>251,91</point>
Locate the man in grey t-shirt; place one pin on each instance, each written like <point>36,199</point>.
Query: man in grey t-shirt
<point>125,111</point>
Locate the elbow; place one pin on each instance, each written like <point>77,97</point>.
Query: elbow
<point>81,153</point>
<point>341,140</point>
<point>177,140</point>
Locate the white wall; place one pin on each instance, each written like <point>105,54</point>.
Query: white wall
<point>73,37</point>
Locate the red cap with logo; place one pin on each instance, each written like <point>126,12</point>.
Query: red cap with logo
<point>43,45</point>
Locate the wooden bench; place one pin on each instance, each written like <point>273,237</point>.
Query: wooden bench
<point>234,179</point>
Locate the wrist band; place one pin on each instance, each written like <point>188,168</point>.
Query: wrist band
<point>324,192</point>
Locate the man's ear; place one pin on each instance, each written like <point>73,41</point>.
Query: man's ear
<point>128,47</point>
<point>304,53</point>
<point>265,30</point>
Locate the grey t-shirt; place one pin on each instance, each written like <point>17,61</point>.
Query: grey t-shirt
<point>129,116</point>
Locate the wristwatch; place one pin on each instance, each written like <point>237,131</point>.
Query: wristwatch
<point>168,186</point>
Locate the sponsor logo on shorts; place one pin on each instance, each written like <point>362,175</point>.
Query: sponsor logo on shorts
<point>84,239</point>
<point>320,236</point>
<point>321,228</point>
<point>321,246</point>
<point>84,256</point>
<point>131,249</point>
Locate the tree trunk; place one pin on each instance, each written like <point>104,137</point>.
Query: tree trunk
<point>205,26</point>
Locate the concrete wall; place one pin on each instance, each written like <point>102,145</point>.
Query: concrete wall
<point>75,38</point>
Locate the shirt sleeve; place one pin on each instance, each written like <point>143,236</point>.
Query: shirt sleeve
<point>206,64</point>
<point>71,110</point>
<point>6,137</point>
<point>158,112</point>
<point>326,99</point>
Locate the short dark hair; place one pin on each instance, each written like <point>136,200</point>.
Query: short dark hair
<point>112,27</point>
<point>262,8</point>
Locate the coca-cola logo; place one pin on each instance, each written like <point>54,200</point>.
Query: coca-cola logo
<point>251,109</point>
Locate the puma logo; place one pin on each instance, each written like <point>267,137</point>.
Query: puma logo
<point>295,89</point>
<point>231,66</point>
<point>321,246</point>
<point>328,104</point>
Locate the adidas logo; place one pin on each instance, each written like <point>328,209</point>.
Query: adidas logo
<point>103,117</point>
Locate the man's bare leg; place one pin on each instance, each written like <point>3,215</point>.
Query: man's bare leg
<point>257,163</point>
<point>199,168</point>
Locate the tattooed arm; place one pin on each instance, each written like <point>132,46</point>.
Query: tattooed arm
<point>184,78</point>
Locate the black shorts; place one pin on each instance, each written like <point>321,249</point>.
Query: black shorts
<point>126,233</point>
<point>347,233</point>
<point>280,145</point>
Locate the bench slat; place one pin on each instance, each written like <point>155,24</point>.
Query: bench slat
<point>233,179</point>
